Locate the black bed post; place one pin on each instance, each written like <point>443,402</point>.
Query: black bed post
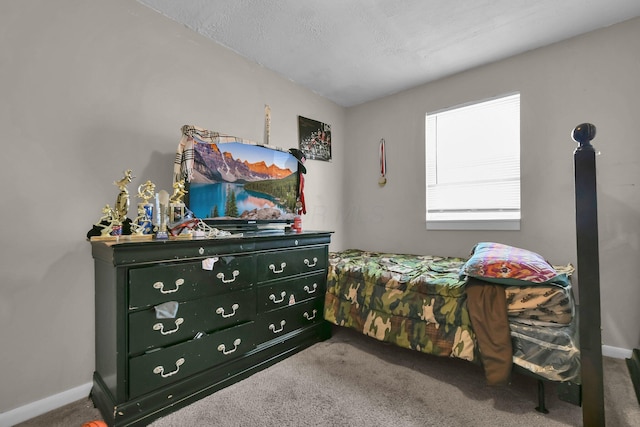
<point>588,276</point>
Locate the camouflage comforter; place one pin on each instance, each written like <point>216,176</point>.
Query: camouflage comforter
<point>419,302</point>
<point>416,302</point>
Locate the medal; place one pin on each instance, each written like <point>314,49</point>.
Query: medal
<point>383,164</point>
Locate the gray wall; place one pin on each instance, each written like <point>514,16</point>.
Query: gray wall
<point>592,78</point>
<point>88,89</point>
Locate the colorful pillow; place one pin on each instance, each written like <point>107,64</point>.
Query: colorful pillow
<point>499,263</point>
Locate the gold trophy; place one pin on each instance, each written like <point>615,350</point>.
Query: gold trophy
<point>176,204</point>
<point>144,220</point>
<point>122,201</point>
<point>108,222</point>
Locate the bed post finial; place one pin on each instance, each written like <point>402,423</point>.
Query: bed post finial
<point>583,134</point>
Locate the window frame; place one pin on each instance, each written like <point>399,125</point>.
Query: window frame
<point>495,223</point>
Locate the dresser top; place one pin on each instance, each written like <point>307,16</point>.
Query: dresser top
<point>126,251</point>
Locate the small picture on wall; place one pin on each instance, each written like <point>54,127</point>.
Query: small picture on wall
<point>315,139</point>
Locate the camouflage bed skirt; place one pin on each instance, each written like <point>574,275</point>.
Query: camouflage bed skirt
<point>419,302</point>
<point>415,302</point>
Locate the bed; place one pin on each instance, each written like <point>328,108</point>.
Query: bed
<point>501,307</point>
<point>422,302</point>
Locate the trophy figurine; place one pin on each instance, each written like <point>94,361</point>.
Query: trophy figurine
<point>122,201</point>
<point>144,219</point>
<point>176,204</point>
<point>142,226</point>
<point>109,222</point>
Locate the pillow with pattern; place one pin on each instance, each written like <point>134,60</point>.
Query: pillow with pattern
<point>499,263</point>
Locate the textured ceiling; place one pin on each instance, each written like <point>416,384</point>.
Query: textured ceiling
<point>353,51</point>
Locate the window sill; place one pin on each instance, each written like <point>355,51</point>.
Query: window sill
<point>499,224</point>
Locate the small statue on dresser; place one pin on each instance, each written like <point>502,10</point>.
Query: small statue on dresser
<point>108,222</point>
<point>146,210</point>
<point>176,205</point>
<point>178,192</point>
<point>122,201</point>
<point>142,224</point>
<point>146,191</point>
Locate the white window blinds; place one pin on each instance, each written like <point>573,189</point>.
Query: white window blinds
<point>473,165</point>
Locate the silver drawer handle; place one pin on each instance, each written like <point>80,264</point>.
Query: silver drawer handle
<point>220,311</point>
<point>160,327</point>
<point>273,268</point>
<point>160,286</point>
<point>160,369</point>
<point>273,329</point>
<point>308,263</point>
<point>222,348</point>
<point>310,291</point>
<point>221,276</point>
<point>310,316</point>
<point>272,297</point>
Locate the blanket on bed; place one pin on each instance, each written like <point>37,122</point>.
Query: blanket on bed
<point>412,301</point>
<point>421,302</point>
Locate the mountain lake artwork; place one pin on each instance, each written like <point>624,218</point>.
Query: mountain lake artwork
<point>243,181</point>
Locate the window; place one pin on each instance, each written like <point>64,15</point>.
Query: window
<point>473,166</point>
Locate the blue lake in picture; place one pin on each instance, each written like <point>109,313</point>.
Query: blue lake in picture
<point>205,199</point>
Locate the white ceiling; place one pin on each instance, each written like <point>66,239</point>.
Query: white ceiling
<point>353,51</point>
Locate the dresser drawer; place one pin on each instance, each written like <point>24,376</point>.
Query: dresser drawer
<point>290,291</point>
<point>279,264</point>
<point>168,365</point>
<point>183,281</point>
<point>200,315</point>
<point>279,322</point>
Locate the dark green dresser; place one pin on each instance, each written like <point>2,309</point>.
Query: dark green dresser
<point>178,320</point>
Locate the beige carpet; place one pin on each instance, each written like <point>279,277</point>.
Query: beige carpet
<point>352,380</point>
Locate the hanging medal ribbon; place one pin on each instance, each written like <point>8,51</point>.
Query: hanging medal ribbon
<point>267,124</point>
<point>301,205</point>
<point>383,163</point>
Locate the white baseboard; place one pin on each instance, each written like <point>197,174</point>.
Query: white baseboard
<point>33,409</point>
<point>616,352</point>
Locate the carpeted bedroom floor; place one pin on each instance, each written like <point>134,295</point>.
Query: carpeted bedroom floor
<point>352,380</point>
